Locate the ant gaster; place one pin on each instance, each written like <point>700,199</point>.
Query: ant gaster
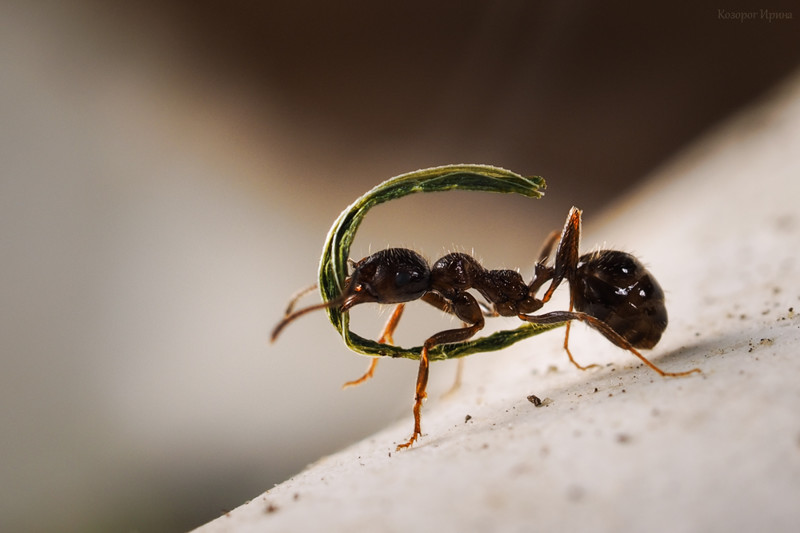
<point>611,291</point>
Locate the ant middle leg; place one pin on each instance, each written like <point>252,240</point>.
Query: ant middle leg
<point>457,380</point>
<point>465,307</point>
<point>618,340</point>
<point>386,337</point>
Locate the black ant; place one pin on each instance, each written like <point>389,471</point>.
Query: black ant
<point>611,291</point>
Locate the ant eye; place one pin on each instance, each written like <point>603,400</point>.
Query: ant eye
<point>402,278</point>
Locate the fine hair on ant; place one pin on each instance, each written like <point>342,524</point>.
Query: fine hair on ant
<point>609,290</point>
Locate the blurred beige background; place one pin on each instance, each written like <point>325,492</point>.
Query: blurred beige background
<point>168,174</point>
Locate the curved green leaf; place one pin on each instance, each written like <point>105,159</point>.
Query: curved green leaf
<point>333,263</point>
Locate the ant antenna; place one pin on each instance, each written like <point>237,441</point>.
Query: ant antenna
<point>290,317</point>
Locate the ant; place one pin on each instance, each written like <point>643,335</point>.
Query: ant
<point>610,290</point>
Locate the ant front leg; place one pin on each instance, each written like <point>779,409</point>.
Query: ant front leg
<point>556,317</point>
<point>386,337</point>
<point>440,302</point>
<point>465,307</point>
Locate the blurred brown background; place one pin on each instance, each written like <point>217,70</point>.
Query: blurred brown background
<point>169,172</point>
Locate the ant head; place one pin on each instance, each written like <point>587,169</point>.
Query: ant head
<point>389,276</point>
<point>393,275</point>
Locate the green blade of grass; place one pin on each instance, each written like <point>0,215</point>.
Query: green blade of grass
<point>333,263</point>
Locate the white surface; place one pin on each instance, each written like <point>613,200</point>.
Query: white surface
<point>619,448</point>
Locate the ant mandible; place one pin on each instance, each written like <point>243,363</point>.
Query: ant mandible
<point>609,290</point>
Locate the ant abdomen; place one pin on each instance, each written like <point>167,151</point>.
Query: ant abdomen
<point>617,289</point>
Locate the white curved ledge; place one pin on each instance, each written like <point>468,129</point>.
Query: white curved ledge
<point>619,448</point>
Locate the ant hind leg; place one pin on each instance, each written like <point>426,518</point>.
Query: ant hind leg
<point>569,354</point>
<point>566,343</point>
<point>617,339</point>
<point>620,341</point>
